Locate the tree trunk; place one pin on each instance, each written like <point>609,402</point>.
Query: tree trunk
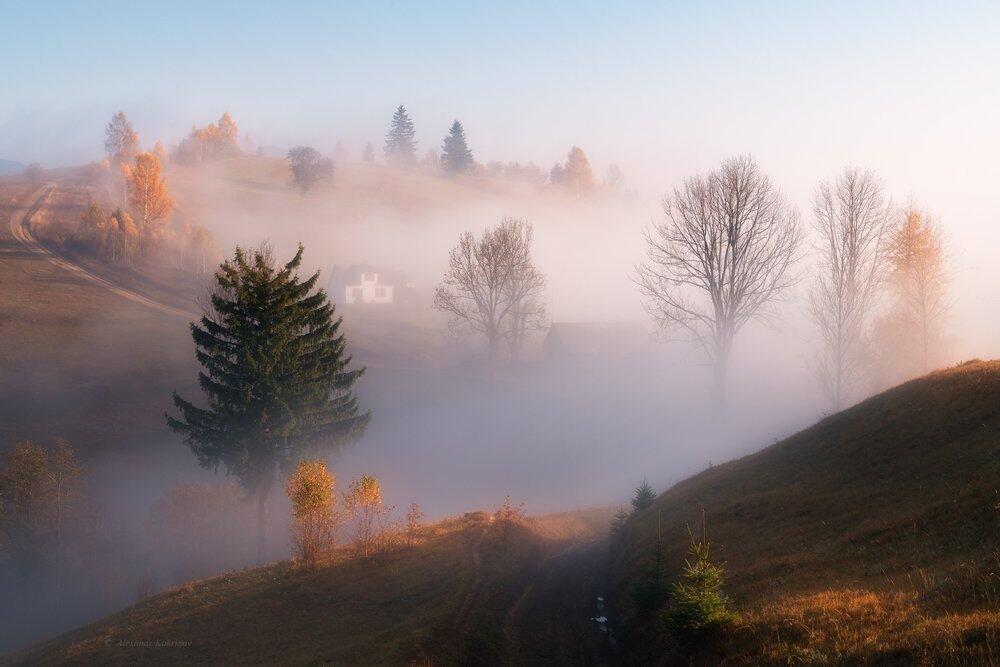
<point>721,367</point>
<point>261,526</point>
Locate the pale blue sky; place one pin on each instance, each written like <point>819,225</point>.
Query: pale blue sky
<point>631,82</point>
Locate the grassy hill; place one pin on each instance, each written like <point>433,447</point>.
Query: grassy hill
<point>457,597</point>
<point>872,536</point>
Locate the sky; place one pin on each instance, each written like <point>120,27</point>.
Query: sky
<point>664,89</point>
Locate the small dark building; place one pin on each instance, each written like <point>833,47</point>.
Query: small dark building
<point>596,340</point>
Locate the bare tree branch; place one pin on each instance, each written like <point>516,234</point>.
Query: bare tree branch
<point>852,222</point>
<point>723,252</point>
<point>492,286</point>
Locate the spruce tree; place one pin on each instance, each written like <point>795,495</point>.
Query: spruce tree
<point>275,376</point>
<point>643,496</point>
<point>698,607</point>
<point>456,158</point>
<point>400,146</point>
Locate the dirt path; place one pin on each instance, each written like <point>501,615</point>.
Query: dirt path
<point>20,229</point>
<point>552,622</point>
<point>471,596</point>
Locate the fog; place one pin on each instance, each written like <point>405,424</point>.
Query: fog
<point>448,431</point>
<point>912,98</point>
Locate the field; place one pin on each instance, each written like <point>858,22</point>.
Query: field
<point>459,596</point>
<point>76,359</point>
<point>870,537</point>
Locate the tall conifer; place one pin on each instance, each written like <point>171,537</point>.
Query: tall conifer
<point>456,158</point>
<point>275,376</point>
<point>400,145</point>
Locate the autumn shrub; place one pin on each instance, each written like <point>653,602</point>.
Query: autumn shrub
<point>312,491</point>
<point>413,517</point>
<point>506,518</point>
<point>369,516</point>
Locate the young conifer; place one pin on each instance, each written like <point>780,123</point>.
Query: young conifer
<point>698,606</point>
<point>643,496</point>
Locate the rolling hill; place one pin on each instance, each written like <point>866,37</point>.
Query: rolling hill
<point>870,537</point>
<point>458,596</point>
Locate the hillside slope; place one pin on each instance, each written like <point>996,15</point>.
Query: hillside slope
<point>459,596</point>
<point>871,536</point>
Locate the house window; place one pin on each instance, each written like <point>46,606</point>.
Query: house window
<point>379,292</point>
<point>356,293</point>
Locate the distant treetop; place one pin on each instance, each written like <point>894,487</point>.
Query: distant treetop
<point>400,145</point>
<point>456,157</point>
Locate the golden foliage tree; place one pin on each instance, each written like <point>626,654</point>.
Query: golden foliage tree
<point>212,142</point>
<point>363,503</point>
<point>95,228</point>
<point>919,280</point>
<point>311,489</point>
<point>908,339</point>
<point>124,236</point>
<point>147,197</point>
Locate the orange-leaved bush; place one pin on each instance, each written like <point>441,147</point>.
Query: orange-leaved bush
<point>311,489</point>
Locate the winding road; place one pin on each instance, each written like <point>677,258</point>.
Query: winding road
<point>20,229</point>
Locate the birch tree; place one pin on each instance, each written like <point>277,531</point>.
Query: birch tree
<point>852,222</point>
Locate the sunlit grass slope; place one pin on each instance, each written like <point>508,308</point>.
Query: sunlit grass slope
<point>871,536</point>
<point>453,598</point>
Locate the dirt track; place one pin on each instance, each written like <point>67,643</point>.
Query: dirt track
<point>20,229</point>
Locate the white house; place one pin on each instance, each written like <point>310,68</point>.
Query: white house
<point>368,290</point>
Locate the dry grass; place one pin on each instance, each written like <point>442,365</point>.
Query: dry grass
<point>77,360</point>
<point>447,600</point>
<point>872,536</point>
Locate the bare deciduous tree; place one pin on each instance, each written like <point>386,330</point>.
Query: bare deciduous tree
<point>492,286</point>
<point>852,223</point>
<point>723,252</point>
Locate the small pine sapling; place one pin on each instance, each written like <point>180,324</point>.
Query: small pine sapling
<point>698,607</point>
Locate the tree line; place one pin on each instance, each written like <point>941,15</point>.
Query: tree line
<point>575,176</point>
<point>726,250</point>
<point>138,228</point>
